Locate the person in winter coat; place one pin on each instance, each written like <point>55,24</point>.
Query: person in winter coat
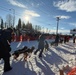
<point>46,46</point>
<point>40,45</point>
<point>5,40</point>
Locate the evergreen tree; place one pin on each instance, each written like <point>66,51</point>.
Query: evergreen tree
<point>1,23</point>
<point>29,25</point>
<point>19,24</point>
<point>5,25</point>
<point>23,26</point>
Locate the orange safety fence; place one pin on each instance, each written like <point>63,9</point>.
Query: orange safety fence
<point>25,38</point>
<point>17,38</point>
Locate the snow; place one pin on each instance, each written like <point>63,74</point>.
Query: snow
<point>52,60</point>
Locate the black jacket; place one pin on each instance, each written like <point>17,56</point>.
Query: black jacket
<point>4,46</point>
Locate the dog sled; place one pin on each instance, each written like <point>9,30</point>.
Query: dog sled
<point>72,72</point>
<point>68,70</point>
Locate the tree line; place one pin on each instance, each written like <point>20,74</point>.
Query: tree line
<point>20,26</point>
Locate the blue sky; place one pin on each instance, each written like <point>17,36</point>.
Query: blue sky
<point>42,13</point>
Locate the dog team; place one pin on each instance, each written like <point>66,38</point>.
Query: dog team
<point>27,51</point>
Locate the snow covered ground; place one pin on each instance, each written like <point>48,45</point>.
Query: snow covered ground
<point>50,63</point>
